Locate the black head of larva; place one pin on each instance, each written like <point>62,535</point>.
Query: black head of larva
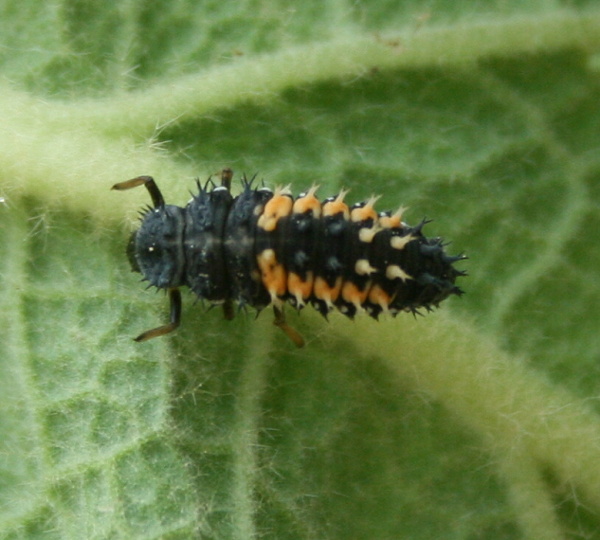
<point>264,247</point>
<point>158,249</point>
<point>131,255</point>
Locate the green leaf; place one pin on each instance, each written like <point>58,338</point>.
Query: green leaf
<point>477,421</point>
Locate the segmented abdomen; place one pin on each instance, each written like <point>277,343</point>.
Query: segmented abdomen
<point>262,247</point>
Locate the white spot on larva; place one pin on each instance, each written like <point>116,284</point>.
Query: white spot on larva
<point>393,271</point>
<point>268,255</point>
<point>363,267</point>
<point>366,235</point>
<point>399,242</point>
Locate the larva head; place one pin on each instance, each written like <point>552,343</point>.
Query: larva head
<point>156,248</point>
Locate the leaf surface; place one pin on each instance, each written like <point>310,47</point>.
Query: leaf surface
<point>477,421</point>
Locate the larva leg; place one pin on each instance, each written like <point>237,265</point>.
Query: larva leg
<point>175,318</point>
<point>290,332</point>
<point>148,181</point>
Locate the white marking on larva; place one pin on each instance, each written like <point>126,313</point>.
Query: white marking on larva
<point>398,213</point>
<point>366,234</point>
<point>363,267</point>
<point>283,190</point>
<point>372,200</point>
<point>276,301</point>
<point>399,242</point>
<point>393,271</point>
<point>360,310</point>
<point>299,301</point>
<point>313,189</point>
<point>268,255</point>
<point>342,195</point>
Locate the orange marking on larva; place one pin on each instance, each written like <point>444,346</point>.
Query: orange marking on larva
<point>280,205</point>
<point>308,203</point>
<point>394,221</point>
<point>399,242</point>
<point>299,288</point>
<point>365,212</point>
<point>273,274</point>
<point>337,206</point>
<point>323,291</point>
<point>353,295</point>
<point>379,297</point>
<point>205,246</point>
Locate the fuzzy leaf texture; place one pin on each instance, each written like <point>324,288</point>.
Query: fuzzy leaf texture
<point>478,421</point>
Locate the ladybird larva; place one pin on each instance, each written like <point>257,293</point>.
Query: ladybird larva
<point>266,247</point>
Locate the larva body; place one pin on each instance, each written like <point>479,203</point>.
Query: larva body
<point>266,247</point>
